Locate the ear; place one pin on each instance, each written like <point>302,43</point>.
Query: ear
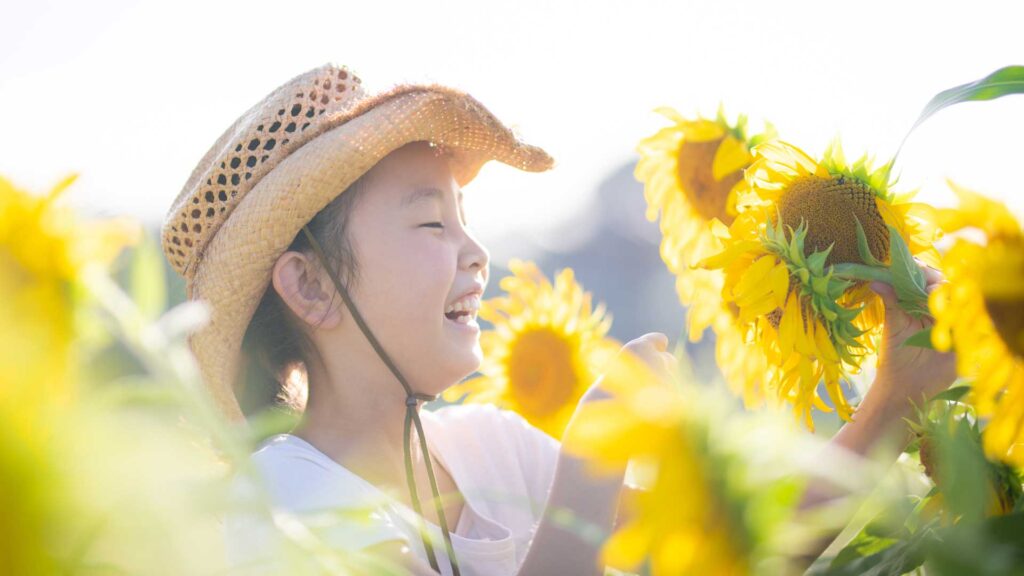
<point>307,290</point>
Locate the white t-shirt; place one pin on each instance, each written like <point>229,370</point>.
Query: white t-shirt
<point>501,464</point>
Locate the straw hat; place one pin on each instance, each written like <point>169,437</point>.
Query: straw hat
<point>283,161</point>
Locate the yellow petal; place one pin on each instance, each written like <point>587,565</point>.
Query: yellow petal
<point>753,279</point>
<point>790,326</point>
<point>701,130</point>
<point>731,156</point>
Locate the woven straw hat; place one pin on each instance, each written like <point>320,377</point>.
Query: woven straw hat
<point>283,161</point>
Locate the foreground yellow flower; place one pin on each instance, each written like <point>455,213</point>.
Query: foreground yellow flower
<point>693,173</point>
<point>802,218</point>
<point>44,251</point>
<point>980,313</point>
<point>546,348</point>
<point>693,513</point>
<point>950,450</point>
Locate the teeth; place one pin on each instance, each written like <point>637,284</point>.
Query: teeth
<point>469,304</point>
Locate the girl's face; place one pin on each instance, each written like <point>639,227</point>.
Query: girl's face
<point>416,260</point>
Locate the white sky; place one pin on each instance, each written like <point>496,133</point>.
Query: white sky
<point>131,94</point>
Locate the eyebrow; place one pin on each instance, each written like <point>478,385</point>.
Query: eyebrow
<point>424,194</point>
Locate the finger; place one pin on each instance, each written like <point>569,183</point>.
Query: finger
<point>658,339</point>
<point>932,275</point>
<point>886,292</point>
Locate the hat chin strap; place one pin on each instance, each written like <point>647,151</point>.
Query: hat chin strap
<point>411,417</point>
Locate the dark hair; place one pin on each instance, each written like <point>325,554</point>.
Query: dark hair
<point>276,350</point>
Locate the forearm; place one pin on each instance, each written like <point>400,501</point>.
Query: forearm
<point>560,549</point>
<point>878,429</point>
<point>587,501</point>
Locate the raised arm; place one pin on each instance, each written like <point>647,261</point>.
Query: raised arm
<point>906,376</point>
<point>556,549</point>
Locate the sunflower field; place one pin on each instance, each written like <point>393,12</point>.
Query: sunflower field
<point>791,260</point>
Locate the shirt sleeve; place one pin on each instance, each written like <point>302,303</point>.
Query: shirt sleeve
<point>538,455</point>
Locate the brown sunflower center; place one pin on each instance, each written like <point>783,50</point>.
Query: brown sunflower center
<point>1004,298</point>
<point>831,208</point>
<point>709,197</point>
<point>1008,318</point>
<point>543,373</point>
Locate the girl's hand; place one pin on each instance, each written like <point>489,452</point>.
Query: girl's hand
<point>652,349</point>
<point>909,373</point>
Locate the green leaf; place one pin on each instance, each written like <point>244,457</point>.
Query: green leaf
<point>864,544</point>
<point>148,287</point>
<point>863,248</point>
<point>907,278</point>
<point>953,394</point>
<point>271,421</point>
<point>900,557</point>
<point>922,339</point>
<point>1002,82</point>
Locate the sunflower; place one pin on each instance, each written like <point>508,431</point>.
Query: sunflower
<point>693,513</point>
<point>810,325</point>
<point>980,313</point>
<point>693,173</point>
<point>950,449</point>
<point>546,347</point>
<point>44,252</point>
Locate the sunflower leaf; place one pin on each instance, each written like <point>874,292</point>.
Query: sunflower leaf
<point>147,278</point>
<point>1002,82</point>
<point>816,261</point>
<point>862,246</point>
<point>953,394</point>
<point>922,339</point>
<point>907,278</point>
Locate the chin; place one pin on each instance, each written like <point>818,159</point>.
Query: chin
<point>455,369</point>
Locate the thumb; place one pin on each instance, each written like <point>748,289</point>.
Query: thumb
<point>659,340</point>
<point>887,293</point>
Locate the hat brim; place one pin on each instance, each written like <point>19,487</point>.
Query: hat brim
<point>236,267</point>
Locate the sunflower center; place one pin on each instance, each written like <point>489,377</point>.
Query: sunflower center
<point>1004,295</point>
<point>831,207</point>
<point>543,373</point>
<point>709,197</point>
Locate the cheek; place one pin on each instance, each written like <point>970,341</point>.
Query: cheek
<point>414,283</point>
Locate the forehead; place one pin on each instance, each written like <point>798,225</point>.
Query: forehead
<point>426,194</point>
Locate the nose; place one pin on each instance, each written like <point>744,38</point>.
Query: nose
<point>474,256</point>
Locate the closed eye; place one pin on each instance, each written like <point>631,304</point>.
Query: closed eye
<point>432,225</point>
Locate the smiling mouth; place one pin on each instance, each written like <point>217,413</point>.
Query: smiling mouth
<point>464,311</point>
<point>462,317</point>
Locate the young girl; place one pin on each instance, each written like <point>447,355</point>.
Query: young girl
<point>325,229</point>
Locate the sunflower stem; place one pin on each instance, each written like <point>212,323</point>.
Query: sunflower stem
<point>851,271</point>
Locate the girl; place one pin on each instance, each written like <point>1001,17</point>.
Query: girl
<point>325,229</point>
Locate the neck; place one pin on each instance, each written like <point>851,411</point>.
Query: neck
<point>355,414</point>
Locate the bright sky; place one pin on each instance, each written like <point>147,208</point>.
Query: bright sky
<point>131,94</point>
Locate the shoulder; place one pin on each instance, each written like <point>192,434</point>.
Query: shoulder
<point>297,477</point>
<point>286,475</point>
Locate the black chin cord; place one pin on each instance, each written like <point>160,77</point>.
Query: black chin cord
<point>411,417</point>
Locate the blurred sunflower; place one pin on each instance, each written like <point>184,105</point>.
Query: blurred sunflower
<point>705,507</point>
<point>693,173</point>
<point>744,372</point>
<point>803,217</point>
<point>965,482</point>
<point>980,313</point>
<point>546,347</point>
<point>44,252</point>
